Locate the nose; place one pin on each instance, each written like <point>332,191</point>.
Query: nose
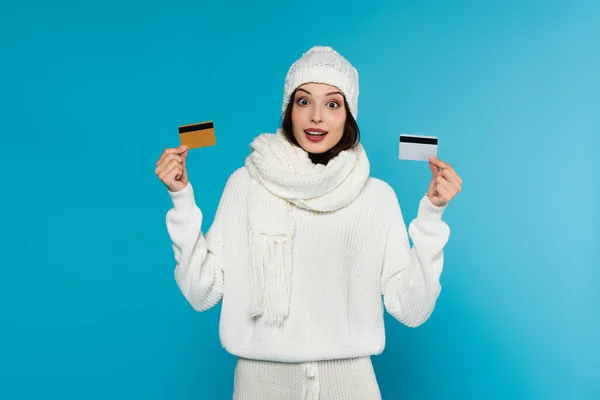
<point>316,115</point>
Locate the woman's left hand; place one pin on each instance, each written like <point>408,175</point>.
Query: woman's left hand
<point>445,183</point>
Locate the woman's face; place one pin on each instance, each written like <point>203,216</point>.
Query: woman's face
<point>318,117</point>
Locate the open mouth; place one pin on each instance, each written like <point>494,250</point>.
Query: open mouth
<point>315,135</point>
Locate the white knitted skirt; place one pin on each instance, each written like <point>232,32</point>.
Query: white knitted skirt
<point>347,379</point>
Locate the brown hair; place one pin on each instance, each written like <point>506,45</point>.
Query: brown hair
<point>350,138</point>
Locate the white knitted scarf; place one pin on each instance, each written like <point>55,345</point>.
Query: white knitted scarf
<point>283,175</point>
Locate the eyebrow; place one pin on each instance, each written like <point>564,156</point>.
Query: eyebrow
<point>328,94</point>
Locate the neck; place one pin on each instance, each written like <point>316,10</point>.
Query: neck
<point>322,158</point>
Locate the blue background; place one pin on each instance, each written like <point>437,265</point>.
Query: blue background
<point>92,94</point>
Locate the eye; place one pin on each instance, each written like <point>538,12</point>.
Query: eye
<point>302,101</point>
<point>333,104</point>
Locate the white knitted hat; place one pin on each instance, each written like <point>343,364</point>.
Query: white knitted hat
<point>322,64</point>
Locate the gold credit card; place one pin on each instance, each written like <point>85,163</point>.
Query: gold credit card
<point>197,135</point>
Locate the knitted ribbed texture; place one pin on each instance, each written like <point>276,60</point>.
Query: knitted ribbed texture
<point>344,261</point>
<point>345,379</point>
<point>322,64</point>
<point>283,173</point>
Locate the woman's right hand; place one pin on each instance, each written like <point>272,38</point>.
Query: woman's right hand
<point>170,168</point>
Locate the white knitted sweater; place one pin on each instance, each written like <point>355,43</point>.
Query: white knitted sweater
<point>344,262</point>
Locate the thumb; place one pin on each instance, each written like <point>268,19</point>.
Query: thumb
<point>434,169</point>
<point>183,163</point>
<point>184,156</point>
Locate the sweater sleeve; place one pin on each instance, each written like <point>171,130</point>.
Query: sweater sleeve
<point>199,269</point>
<point>411,276</point>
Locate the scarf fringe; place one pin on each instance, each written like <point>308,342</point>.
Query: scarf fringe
<point>271,277</point>
<point>283,175</point>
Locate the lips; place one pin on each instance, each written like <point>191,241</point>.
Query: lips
<point>315,135</point>
<point>315,132</point>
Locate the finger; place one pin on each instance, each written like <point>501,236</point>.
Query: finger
<point>168,164</point>
<point>173,150</point>
<point>175,174</point>
<point>168,158</point>
<point>452,177</point>
<point>440,163</point>
<point>450,187</point>
<point>168,168</point>
<point>171,175</point>
<point>172,172</point>
<point>444,194</point>
<point>453,173</point>
<point>164,154</point>
<point>434,169</point>
<point>177,151</point>
<point>184,156</point>
<point>449,184</point>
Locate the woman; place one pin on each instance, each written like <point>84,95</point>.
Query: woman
<point>304,243</point>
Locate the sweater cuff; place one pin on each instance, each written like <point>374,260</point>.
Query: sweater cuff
<point>428,211</point>
<point>183,199</point>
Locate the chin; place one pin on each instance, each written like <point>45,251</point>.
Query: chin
<point>317,147</point>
